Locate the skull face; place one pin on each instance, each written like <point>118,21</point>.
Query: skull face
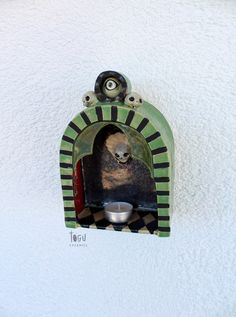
<point>118,145</point>
<point>89,99</point>
<point>122,153</point>
<point>133,100</point>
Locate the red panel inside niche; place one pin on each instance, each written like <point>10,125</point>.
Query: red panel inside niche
<point>78,188</point>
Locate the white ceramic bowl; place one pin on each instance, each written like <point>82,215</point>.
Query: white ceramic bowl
<point>118,212</point>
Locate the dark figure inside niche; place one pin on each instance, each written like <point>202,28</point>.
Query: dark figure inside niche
<point>112,174</point>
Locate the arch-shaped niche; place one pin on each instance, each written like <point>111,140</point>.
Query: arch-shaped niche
<point>148,126</point>
<point>106,180</point>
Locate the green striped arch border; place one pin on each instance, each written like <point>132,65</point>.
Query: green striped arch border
<point>133,119</point>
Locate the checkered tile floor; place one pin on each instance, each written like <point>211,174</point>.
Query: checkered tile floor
<point>140,221</point>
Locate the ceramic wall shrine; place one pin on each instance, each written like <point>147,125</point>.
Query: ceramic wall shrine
<point>116,162</point>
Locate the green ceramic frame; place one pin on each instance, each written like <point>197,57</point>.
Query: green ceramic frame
<point>153,129</point>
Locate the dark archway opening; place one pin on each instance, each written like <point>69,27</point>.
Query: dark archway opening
<point>108,179</point>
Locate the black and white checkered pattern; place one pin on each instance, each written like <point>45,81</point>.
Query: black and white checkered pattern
<point>139,222</point>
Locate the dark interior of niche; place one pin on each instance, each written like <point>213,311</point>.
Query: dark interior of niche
<point>107,180</point>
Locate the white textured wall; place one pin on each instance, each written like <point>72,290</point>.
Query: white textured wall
<point>180,55</point>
